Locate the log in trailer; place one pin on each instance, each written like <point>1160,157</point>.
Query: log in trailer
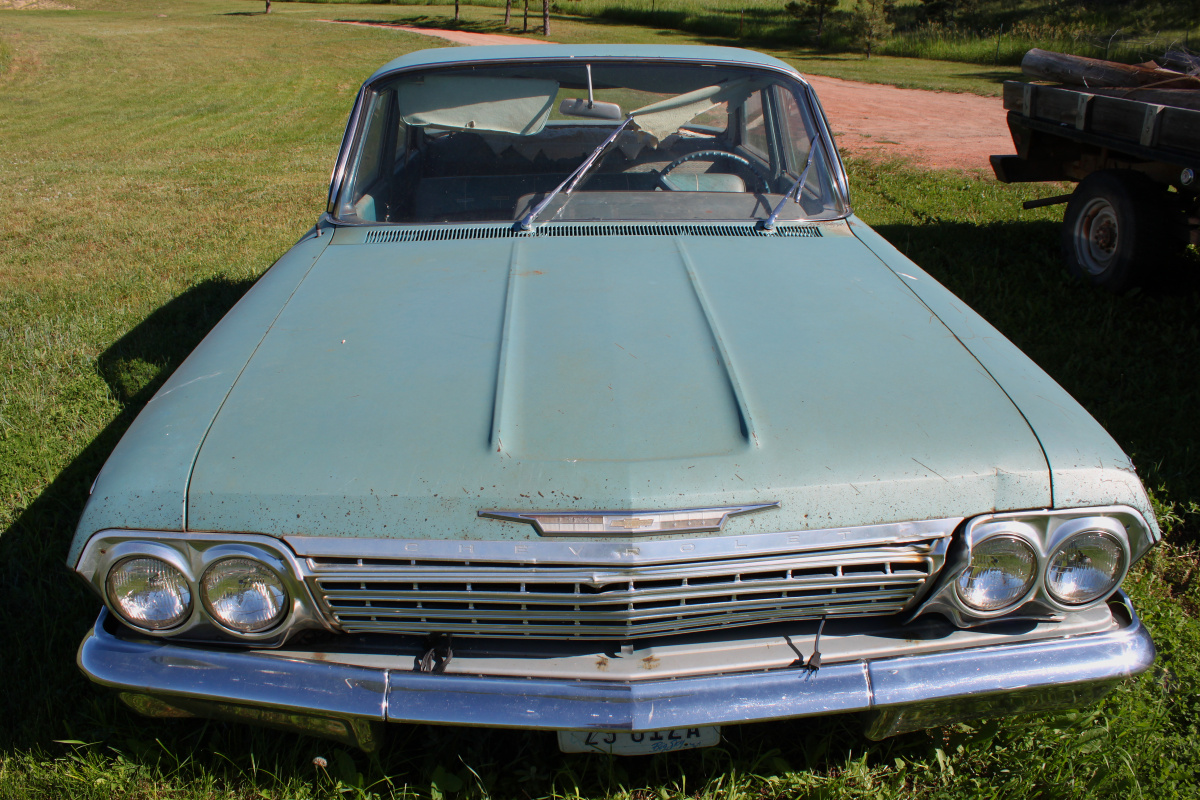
<point>1134,152</point>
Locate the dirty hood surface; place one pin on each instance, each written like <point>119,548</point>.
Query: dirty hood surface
<point>406,386</point>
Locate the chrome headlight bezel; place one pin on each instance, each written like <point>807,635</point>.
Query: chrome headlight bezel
<point>1122,565</point>
<point>215,615</point>
<point>1045,531</point>
<point>1029,586</point>
<point>192,554</point>
<point>167,557</point>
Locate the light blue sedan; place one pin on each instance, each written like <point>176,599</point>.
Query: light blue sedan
<point>589,406</point>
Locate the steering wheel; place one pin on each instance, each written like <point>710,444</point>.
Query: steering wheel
<point>711,154</point>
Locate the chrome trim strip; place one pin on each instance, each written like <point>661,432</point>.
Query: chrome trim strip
<point>618,523</point>
<point>602,552</point>
<point>259,679</point>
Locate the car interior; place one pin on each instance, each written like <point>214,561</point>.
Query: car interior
<point>487,148</point>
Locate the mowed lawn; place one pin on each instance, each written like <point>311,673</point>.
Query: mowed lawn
<point>156,157</point>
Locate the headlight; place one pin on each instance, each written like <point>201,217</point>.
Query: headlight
<point>244,595</point>
<point>149,593</point>
<point>1085,568</point>
<point>1002,571</point>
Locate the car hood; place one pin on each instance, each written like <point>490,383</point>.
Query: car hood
<point>406,386</point>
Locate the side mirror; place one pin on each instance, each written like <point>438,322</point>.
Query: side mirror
<point>578,107</point>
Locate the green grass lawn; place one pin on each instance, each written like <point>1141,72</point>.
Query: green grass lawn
<point>985,32</point>
<point>906,72</point>
<point>157,156</point>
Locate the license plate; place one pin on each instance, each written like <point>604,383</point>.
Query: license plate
<point>625,743</point>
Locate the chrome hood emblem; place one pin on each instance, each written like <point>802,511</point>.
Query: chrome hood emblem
<point>604,523</point>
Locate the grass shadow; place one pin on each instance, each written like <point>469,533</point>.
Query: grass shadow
<point>995,76</point>
<point>466,25</point>
<point>1121,356</point>
<point>42,605</point>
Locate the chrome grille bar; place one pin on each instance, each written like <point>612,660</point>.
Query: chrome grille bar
<point>552,599</point>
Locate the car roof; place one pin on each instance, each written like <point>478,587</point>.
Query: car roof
<point>439,56</point>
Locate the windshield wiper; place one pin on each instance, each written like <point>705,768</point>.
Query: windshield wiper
<point>796,188</point>
<point>574,178</point>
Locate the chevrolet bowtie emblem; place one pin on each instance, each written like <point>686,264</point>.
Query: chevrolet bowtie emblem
<point>601,523</point>
<point>631,523</point>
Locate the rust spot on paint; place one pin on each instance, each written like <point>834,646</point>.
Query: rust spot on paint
<point>602,663</point>
<point>650,662</point>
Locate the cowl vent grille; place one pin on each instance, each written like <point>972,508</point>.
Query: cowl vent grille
<point>387,235</point>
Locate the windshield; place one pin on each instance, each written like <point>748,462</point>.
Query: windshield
<point>516,143</point>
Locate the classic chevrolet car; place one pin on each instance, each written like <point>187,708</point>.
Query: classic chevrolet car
<point>589,406</point>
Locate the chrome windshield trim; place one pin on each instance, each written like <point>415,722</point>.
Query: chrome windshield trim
<point>622,551</point>
<point>836,165</point>
<point>339,164</point>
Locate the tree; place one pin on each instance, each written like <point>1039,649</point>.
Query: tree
<point>507,12</point>
<point>268,11</point>
<point>871,23</point>
<point>949,11</point>
<point>456,10</point>
<point>811,10</point>
<point>545,17</point>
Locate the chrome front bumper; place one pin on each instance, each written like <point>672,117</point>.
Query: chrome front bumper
<point>350,702</point>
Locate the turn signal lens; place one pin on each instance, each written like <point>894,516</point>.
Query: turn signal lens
<point>149,593</point>
<point>1002,571</point>
<point>244,595</point>
<point>1085,568</point>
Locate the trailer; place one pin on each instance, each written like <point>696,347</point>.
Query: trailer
<point>1132,148</point>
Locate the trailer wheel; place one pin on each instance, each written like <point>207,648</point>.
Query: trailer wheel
<point>1114,229</point>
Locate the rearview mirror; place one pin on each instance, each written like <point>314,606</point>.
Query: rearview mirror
<point>578,107</point>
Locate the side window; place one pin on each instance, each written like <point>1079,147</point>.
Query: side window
<point>373,143</point>
<point>797,136</point>
<point>754,127</point>
<point>716,119</point>
<point>797,132</point>
<point>373,157</point>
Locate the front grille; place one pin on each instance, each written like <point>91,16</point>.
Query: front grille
<point>574,601</point>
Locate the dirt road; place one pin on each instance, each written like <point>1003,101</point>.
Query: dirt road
<point>938,130</point>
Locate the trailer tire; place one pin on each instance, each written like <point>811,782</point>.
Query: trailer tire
<point>1114,229</point>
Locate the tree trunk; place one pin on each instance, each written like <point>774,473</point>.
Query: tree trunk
<point>456,10</point>
<point>526,28</point>
<point>545,17</point>
<point>268,11</point>
<point>1083,71</point>
<point>507,12</point>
